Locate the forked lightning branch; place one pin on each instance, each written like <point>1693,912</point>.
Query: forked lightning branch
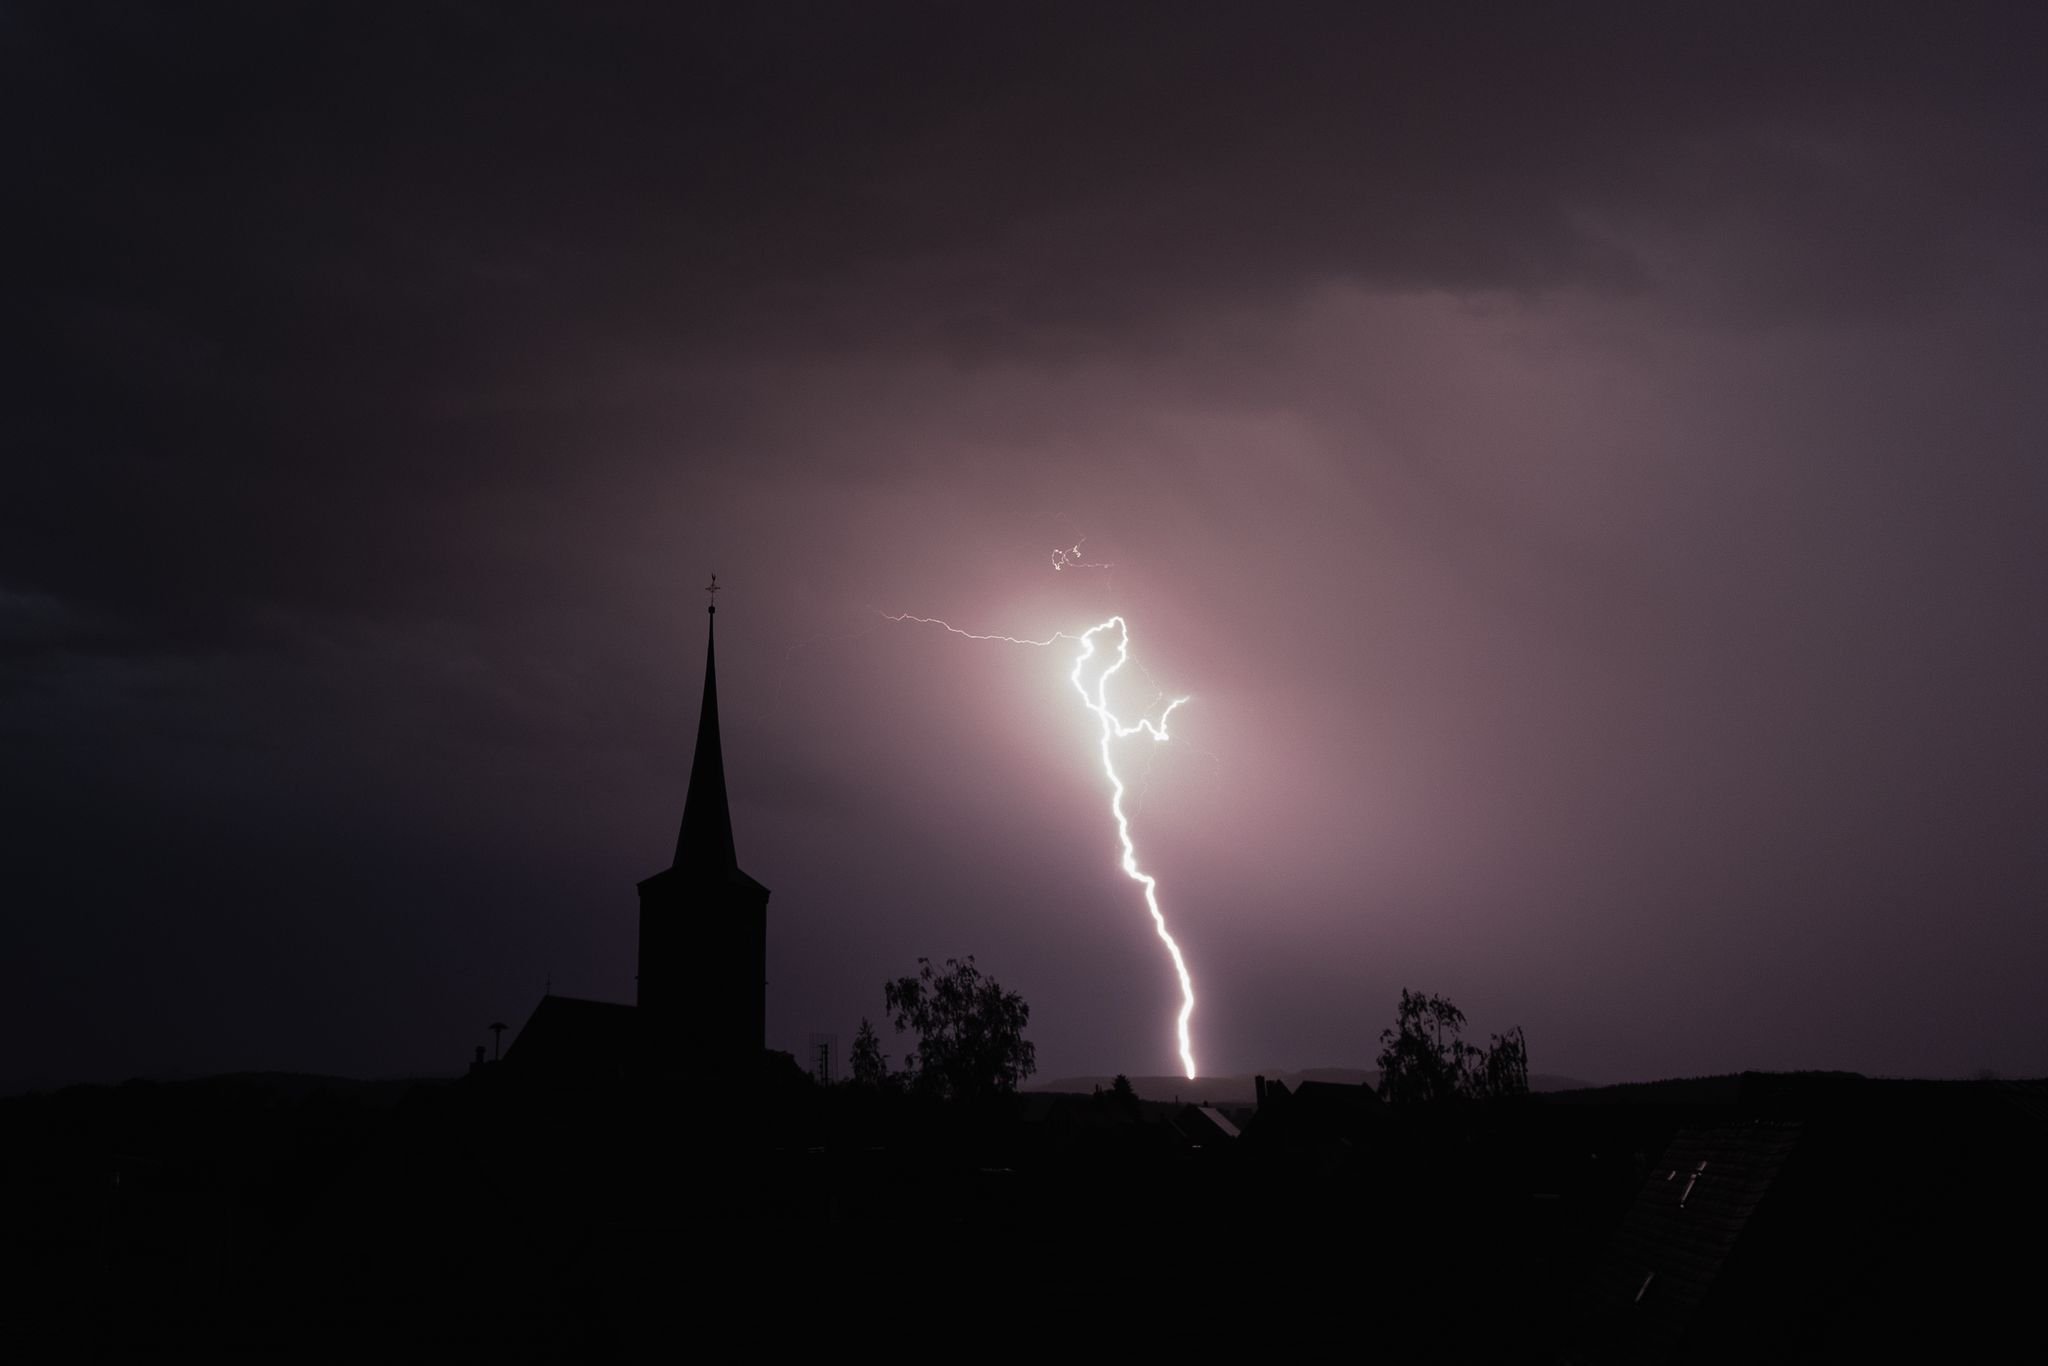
<point>1095,697</point>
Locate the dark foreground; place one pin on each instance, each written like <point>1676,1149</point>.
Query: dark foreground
<point>1759,1218</point>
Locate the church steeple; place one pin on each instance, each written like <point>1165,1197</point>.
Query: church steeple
<point>704,844</point>
<point>703,922</point>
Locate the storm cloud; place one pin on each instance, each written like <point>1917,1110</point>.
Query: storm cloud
<point>1582,462</point>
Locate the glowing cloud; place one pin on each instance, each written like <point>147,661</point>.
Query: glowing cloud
<point>1096,699</point>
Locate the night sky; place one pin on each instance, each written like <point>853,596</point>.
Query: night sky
<point>1585,466</point>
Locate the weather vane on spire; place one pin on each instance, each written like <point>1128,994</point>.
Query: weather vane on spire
<point>710,598</point>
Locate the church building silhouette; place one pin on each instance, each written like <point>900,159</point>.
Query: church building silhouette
<point>703,972</point>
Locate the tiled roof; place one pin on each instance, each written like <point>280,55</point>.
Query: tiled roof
<point>1678,1235</point>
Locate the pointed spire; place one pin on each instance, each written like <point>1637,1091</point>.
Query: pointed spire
<point>704,846</point>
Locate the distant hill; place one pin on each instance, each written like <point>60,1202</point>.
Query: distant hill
<point>1238,1090</point>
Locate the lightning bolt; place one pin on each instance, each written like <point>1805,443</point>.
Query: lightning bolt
<point>1007,640</point>
<point>1113,729</point>
<point>1069,557</point>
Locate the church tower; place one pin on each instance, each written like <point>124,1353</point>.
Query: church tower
<point>703,983</point>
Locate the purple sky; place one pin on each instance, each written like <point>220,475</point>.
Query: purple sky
<point>1585,466</point>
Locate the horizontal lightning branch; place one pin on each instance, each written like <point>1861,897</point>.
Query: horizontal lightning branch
<point>1007,640</point>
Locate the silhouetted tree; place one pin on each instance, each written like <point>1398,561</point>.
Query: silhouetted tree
<point>1416,1064</point>
<point>1502,1069</point>
<point>870,1063</point>
<point>970,1032</point>
<point>1423,1058</point>
<point>1121,1088</point>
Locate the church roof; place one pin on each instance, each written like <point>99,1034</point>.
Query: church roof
<point>570,1036</point>
<point>704,844</point>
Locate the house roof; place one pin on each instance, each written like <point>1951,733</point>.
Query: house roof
<point>1676,1239</point>
<point>1314,1114</point>
<point>1204,1124</point>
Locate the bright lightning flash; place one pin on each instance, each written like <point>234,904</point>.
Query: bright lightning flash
<point>1096,699</point>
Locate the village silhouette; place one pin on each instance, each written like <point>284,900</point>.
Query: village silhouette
<point>624,1182</point>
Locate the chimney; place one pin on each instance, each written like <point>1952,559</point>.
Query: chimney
<point>1259,1090</point>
